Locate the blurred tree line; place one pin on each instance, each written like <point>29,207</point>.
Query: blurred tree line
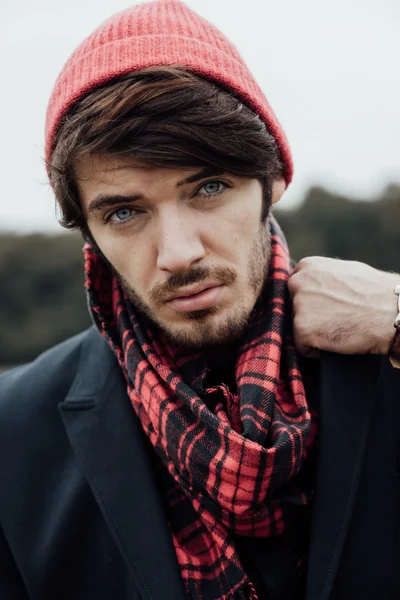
<point>42,299</point>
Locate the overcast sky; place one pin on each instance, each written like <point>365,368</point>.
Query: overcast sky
<point>329,69</point>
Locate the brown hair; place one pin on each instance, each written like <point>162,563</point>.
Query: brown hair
<point>163,117</point>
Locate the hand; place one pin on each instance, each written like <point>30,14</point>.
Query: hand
<point>342,306</point>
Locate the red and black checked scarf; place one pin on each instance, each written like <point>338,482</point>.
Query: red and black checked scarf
<point>232,463</point>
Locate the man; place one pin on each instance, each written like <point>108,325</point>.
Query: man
<point>181,448</point>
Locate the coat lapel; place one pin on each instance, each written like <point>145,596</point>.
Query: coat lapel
<point>109,444</point>
<point>347,399</point>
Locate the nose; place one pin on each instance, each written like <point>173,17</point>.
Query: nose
<point>178,242</point>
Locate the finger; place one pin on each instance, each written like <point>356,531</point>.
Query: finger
<point>293,284</point>
<point>306,351</point>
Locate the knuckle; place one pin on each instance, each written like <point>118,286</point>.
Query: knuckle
<point>297,305</point>
<point>303,262</point>
<point>292,283</point>
<point>301,328</point>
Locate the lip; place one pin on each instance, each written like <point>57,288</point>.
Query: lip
<point>199,297</point>
<point>191,290</point>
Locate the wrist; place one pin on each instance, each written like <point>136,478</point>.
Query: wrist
<point>386,313</point>
<point>394,352</point>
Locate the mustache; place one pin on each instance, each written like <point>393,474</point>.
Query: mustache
<point>176,281</point>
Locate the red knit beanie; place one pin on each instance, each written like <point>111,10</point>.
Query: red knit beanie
<point>163,32</point>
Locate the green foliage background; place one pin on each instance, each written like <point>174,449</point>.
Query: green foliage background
<point>42,300</point>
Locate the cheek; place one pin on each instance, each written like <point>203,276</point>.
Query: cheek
<point>241,230</point>
<point>129,259</point>
<point>245,213</point>
<point>249,224</point>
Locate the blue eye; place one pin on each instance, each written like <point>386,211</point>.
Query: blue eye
<point>213,187</point>
<point>121,215</point>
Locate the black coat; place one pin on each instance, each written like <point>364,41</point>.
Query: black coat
<point>80,514</point>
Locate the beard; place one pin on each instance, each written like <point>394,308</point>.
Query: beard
<point>206,327</point>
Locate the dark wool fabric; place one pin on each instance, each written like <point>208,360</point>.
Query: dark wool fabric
<point>233,458</point>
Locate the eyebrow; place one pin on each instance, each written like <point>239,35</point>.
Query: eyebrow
<point>105,200</point>
<point>206,172</point>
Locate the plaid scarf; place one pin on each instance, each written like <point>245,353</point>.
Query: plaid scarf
<point>231,461</point>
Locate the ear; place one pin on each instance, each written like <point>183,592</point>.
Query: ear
<point>278,188</point>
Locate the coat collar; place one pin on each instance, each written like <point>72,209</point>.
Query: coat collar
<point>109,443</point>
<point>348,391</point>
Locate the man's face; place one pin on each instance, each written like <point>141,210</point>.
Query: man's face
<point>189,246</point>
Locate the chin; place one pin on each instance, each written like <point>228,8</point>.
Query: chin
<point>207,328</point>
